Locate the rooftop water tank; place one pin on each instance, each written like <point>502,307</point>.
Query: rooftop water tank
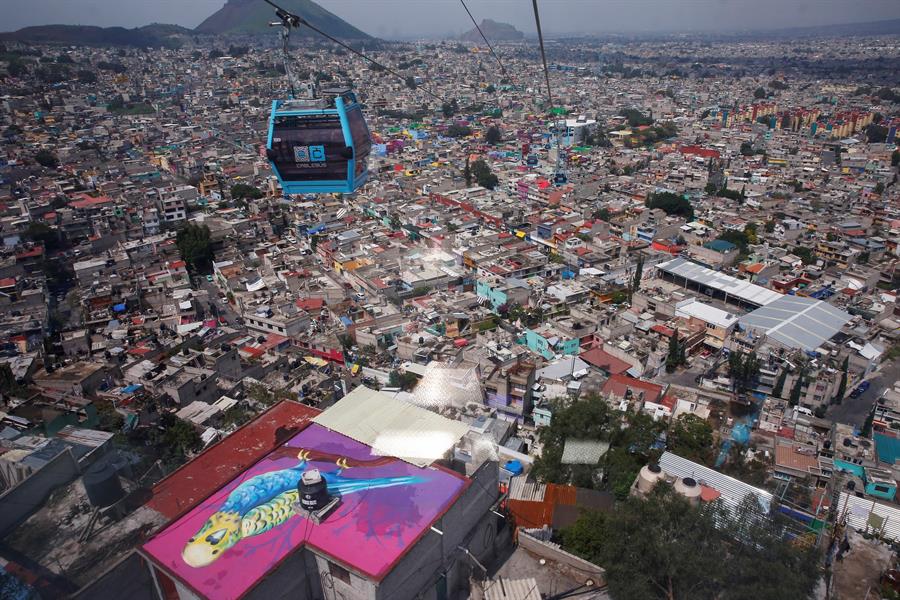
<point>648,477</point>
<point>313,491</point>
<point>513,466</point>
<point>689,488</point>
<point>101,483</point>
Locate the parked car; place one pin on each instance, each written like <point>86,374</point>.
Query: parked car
<point>860,389</point>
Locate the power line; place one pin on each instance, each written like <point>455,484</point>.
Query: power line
<point>292,20</point>
<point>484,37</point>
<point>537,22</point>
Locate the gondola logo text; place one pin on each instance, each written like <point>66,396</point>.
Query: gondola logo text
<point>307,154</point>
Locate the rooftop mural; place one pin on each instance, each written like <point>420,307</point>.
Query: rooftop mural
<point>226,543</point>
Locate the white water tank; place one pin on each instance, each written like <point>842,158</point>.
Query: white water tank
<point>689,488</point>
<point>648,477</point>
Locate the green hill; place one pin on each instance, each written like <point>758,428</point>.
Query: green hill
<point>254,16</point>
<point>155,35</point>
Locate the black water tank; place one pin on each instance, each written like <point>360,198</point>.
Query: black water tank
<point>102,484</point>
<point>313,490</point>
<point>654,468</point>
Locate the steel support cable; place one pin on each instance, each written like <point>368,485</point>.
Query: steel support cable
<point>484,37</point>
<point>296,20</point>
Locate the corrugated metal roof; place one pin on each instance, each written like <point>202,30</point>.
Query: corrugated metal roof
<point>522,489</point>
<point>743,290</point>
<point>733,490</point>
<point>218,464</point>
<point>858,510</point>
<point>512,589</point>
<point>393,427</point>
<point>797,322</point>
<point>583,452</point>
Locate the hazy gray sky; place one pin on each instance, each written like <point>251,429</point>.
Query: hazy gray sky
<point>413,18</point>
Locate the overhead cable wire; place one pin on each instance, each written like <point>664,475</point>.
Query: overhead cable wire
<point>537,22</point>
<point>296,20</point>
<point>484,37</point>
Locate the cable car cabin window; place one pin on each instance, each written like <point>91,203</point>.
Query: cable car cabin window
<point>309,148</point>
<point>362,142</point>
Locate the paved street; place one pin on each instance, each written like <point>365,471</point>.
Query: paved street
<point>225,310</point>
<point>853,411</point>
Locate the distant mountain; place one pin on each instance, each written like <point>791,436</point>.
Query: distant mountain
<point>254,16</point>
<point>154,36</point>
<point>501,32</point>
<point>889,27</point>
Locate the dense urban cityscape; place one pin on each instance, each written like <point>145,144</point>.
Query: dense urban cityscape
<point>609,317</point>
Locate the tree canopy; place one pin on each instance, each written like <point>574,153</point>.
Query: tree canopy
<point>241,191</point>
<point>664,548</point>
<point>483,175</point>
<point>691,437</point>
<point>671,204</point>
<point>635,117</point>
<point>196,250</point>
<point>493,135</point>
<point>45,158</point>
<point>457,130</point>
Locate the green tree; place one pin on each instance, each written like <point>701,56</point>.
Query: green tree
<point>493,135</point>
<point>194,244</point>
<point>85,76</point>
<point>181,438</point>
<point>45,158</point>
<point>410,82</point>
<point>483,175</point>
<point>805,254</point>
<point>242,191</point>
<point>457,130</point>
<point>635,117</point>
<point>589,418</point>
<point>680,551</point>
<point>779,384</point>
<point>467,173</point>
<point>742,368</point>
<point>691,437</point>
<point>876,134</point>
<point>759,93</point>
<point>602,214</point>
<point>16,67</point>
<point>671,204</point>
<point>448,109</point>
<point>797,390</point>
<point>638,274</point>
<point>895,158</point>
<point>842,388</point>
<point>405,380</point>
<point>675,356</point>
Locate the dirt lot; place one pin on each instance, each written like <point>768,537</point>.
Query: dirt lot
<point>861,568</point>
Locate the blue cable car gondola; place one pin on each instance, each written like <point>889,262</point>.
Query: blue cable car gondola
<point>319,145</point>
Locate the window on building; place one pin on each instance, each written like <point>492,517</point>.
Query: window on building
<point>882,489</point>
<point>339,572</point>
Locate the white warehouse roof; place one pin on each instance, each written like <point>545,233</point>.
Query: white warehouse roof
<point>797,322</point>
<point>738,288</point>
